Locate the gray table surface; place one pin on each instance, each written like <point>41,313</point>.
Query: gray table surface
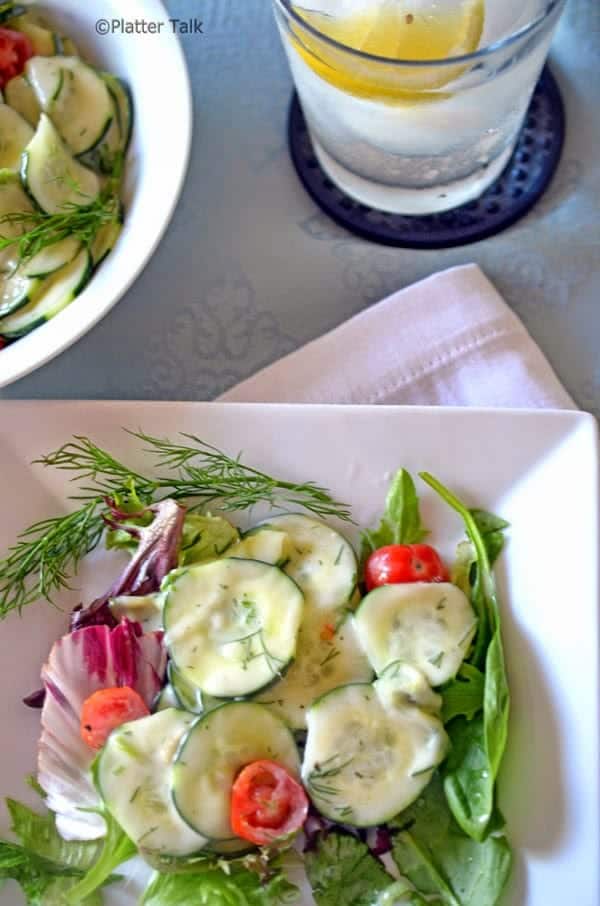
<point>250,269</point>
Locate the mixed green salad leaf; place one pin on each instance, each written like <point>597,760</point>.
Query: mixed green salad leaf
<point>46,867</point>
<point>401,520</point>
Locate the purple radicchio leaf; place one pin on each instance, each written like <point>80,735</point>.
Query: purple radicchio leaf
<point>80,664</point>
<point>156,555</point>
<point>380,841</point>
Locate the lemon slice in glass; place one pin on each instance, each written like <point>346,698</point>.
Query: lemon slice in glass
<point>409,30</point>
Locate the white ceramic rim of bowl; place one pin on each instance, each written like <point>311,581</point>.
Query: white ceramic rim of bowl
<point>52,338</point>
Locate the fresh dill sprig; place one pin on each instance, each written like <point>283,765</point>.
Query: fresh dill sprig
<point>48,553</point>
<point>207,473</point>
<point>40,230</point>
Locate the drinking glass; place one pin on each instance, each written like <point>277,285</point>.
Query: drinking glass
<point>415,136</point>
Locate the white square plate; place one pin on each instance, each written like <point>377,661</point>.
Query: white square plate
<point>537,469</point>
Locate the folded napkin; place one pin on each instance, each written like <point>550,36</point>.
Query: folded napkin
<point>448,340</point>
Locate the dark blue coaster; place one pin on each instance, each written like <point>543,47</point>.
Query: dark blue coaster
<point>525,178</point>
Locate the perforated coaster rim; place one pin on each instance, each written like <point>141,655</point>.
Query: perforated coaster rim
<point>511,196</point>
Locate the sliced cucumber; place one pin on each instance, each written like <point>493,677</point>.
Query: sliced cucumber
<point>320,560</point>
<point>52,258</point>
<point>188,696</point>
<point>75,97</point>
<point>214,751</point>
<point>133,776</point>
<point>9,10</point>
<point>45,43</point>
<point>52,176</point>
<point>54,295</point>
<point>22,98</point>
<point>124,107</point>
<point>369,751</point>
<point>428,625</point>
<point>231,625</point>
<point>269,546</point>
<point>16,291</point>
<point>143,609</point>
<point>15,135</point>
<point>327,656</point>
<point>104,241</point>
<point>69,47</point>
<point>166,698</point>
<point>323,564</point>
<point>12,200</point>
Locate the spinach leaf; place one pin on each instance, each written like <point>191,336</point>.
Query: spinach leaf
<point>214,887</point>
<point>440,860</point>
<point>463,696</point>
<point>343,872</point>
<point>116,849</point>
<point>472,769</point>
<point>401,522</point>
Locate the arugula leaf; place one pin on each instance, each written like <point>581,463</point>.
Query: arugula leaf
<point>343,872</point>
<point>463,696</point>
<point>401,522</point>
<point>116,849</point>
<point>440,860</point>
<point>39,836</point>
<point>470,792</point>
<point>205,537</point>
<point>215,887</point>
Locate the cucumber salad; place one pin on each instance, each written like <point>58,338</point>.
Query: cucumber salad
<point>255,705</point>
<point>65,129</point>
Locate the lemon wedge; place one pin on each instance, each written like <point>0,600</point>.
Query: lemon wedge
<point>410,30</point>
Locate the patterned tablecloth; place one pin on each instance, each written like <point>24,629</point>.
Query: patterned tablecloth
<point>250,269</point>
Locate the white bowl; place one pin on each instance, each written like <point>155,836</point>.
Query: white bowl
<point>153,65</point>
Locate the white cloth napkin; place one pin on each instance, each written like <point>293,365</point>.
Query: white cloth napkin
<point>448,340</point>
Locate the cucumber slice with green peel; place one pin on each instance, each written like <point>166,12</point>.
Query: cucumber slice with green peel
<point>54,294</point>
<point>320,560</point>
<point>15,135</point>
<point>143,609</point>
<point>370,752</point>
<point>9,10</point>
<point>76,98</point>
<point>427,624</point>
<point>52,176</point>
<point>215,749</point>
<point>266,545</point>
<point>21,97</point>
<point>16,291</point>
<point>323,564</point>
<point>13,199</point>
<point>189,696</point>
<point>133,773</point>
<point>105,240</point>
<point>166,698</point>
<point>45,43</point>
<point>231,625</point>
<point>327,656</point>
<point>69,47</point>
<point>52,258</point>
<point>124,107</point>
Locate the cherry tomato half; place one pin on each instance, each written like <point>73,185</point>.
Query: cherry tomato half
<point>107,709</point>
<point>266,803</point>
<point>399,563</point>
<point>15,50</point>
